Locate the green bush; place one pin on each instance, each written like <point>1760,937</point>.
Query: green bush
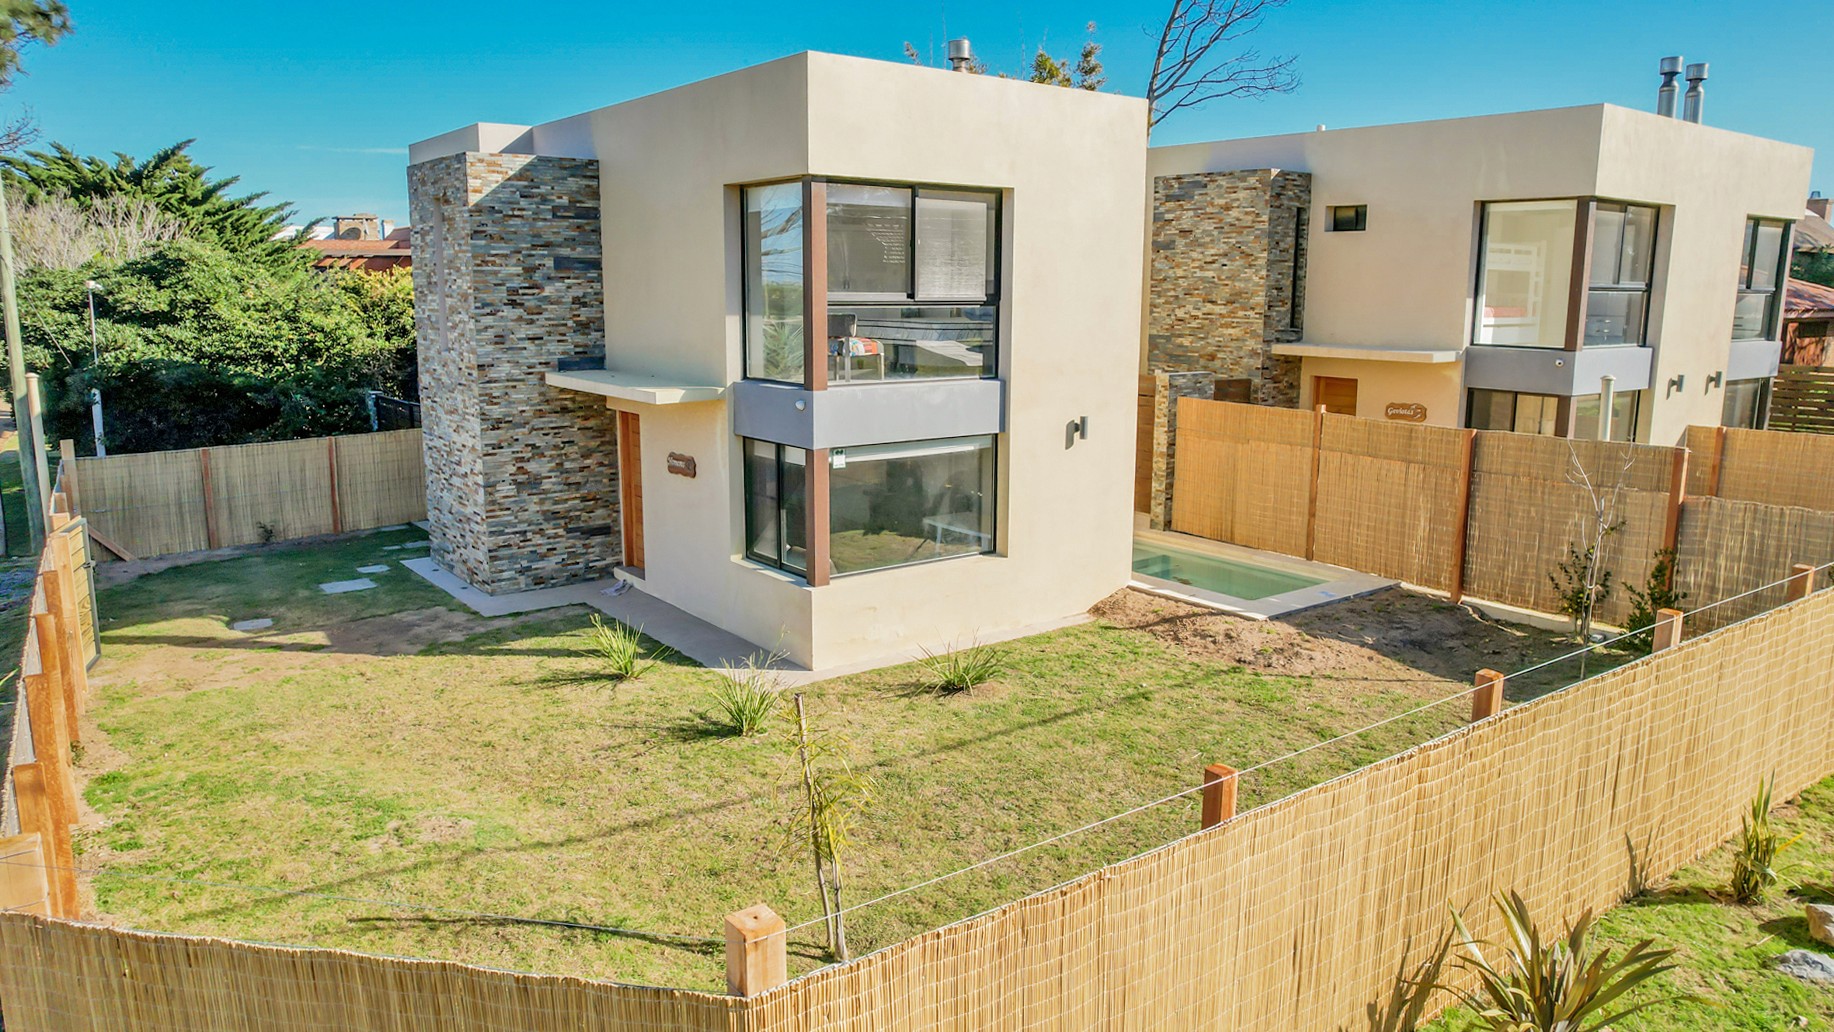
<point>1658,593</point>
<point>748,696</point>
<point>962,670</point>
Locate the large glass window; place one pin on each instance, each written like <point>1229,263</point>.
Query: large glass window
<point>1747,404</point>
<point>893,504</point>
<point>1617,299</point>
<point>1625,406</point>
<point>776,505</point>
<point>1754,316</point>
<point>1525,275</point>
<point>1513,410</point>
<point>869,241</point>
<point>773,243</point>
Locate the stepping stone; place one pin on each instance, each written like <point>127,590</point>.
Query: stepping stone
<point>381,568</point>
<point>1805,966</point>
<point>339,587</point>
<point>252,625</point>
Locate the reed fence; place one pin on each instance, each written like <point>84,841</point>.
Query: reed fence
<point>161,503</point>
<point>1491,514</point>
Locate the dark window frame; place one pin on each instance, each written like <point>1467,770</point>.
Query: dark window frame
<point>992,502</point>
<point>1295,293</point>
<point>775,562</point>
<point>1579,287</point>
<point>1617,285</point>
<point>745,369</point>
<point>1773,306</point>
<point>1358,222</point>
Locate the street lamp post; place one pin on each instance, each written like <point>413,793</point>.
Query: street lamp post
<point>95,367</point>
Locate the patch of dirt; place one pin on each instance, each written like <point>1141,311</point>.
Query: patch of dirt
<point>401,634</point>
<point>1390,635</point>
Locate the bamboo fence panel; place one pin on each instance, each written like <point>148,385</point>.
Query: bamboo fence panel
<point>1729,547</point>
<point>1306,913</point>
<point>1764,466</point>
<point>150,504</point>
<point>1235,478</point>
<point>382,479</point>
<point>271,492</point>
<point>1388,499</point>
<point>1525,511</point>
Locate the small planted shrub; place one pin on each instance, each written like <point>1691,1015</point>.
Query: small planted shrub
<point>1563,985</point>
<point>1754,866</point>
<point>962,670</point>
<point>1657,594</point>
<point>618,649</point>
<point>748,696</point>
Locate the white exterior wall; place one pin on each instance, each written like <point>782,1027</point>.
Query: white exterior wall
<point>1409,280</point>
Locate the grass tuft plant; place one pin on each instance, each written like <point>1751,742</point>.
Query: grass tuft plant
<point>619,647</point>
<point>1754,861</point>
<point>748,695</point>
<point>1566,985</point>
<point>953,671</point>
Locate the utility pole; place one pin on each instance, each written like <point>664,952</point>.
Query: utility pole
<point>30,448</point>
<point>95,369</point>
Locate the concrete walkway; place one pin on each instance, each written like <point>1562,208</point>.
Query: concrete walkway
<point>689,635</point>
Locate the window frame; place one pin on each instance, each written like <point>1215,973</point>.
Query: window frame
<point>1359,218</point>
<point>990,494</point>
<point>1617,286</point>
<point>1760,408</point>
<point>745,291</point>
<point>1579,273</point>
<point>776,562</point>
<point>1770,329</point>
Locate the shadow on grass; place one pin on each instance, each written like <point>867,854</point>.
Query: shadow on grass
<point>1793,931</point>
<point>1406,1004</point>
<point>704,947</point>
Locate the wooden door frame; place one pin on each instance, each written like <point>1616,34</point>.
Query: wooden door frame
<point>631,546</point>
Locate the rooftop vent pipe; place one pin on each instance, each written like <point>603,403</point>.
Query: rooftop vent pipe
<point>1665,97</point>
<point>1696,95</point>
<point>961,56</point>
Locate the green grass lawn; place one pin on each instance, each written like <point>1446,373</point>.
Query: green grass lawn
<point>1725,949</point>
<point>389,745</point>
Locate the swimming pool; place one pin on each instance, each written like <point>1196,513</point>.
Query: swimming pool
<point>1215,573</point>
<point>1238,580</point>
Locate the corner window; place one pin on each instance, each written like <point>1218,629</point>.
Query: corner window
<point>1513,411</point>
<point>1747,404</point>
<point>1349,218</point>
<point>1525,274</point>
<point>1754,315</point>
<point>1617,295</point>
<point>896,504</point>
<point>772,236</point>
<point>1625,407</point>
<point>776,505</point>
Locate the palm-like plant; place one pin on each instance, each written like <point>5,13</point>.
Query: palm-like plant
<point>1566,985</point>
<point>1754,866</point>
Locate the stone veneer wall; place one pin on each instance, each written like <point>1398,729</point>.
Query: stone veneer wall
<point>1224,288</point>
<point>522,488</point>
<point>1167,389</point>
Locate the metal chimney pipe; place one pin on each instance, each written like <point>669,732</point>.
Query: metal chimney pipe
<point>1665,96</point>
<point>961,56</point>
<point>1696,96</point>
<point>1607,396</point>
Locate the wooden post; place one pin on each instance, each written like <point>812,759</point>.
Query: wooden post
<point>815,559</point>
<point>55,664</point>
<point>815,285</point>
<point>1219,794</point>
<point>60,599</point>
<point>41,814</point>
<point>211,537</point>
<point>1311,501</point>
<point>1677,496</point>
<point>23,885</point>
<point>1487,700</point>
<point>1801,583</point>
<point>1719,460</point>
<point>1667,631</point>
<point>756,960</point>
<point>1462,511</point>
<point>331,461</point>
<point>66,452</point>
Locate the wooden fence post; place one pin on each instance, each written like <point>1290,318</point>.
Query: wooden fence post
<point>1667,632</point>
<point>40,814</point>
<point>756,960</point>
<point>1801,583</point>
<point>23,885</point>
<point>67,635</point>
<point>1311,501</point>
<point>331,463</point>
<point>1462,510</point>
<point>1219,794</point>
<point>211,537</point>
<point>1487,700</point>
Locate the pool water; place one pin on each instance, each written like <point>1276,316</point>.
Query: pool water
<point>1214,573</point>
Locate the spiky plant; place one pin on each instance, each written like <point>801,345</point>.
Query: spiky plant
<point>1566,985</point>
<point>747,696</point>
<point>1754,865</point>
<point>619,649</point>
<point>964,669</point>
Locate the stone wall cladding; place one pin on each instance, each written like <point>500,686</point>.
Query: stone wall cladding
<point>1167,389</point>
<point>1225,251</point>
<point>522,487</point>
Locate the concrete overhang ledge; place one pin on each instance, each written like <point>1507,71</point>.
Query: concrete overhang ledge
<point>1369,352</point>
<point>636,388</point>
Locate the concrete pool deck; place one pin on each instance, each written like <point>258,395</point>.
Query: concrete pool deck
<point>1335,582</point>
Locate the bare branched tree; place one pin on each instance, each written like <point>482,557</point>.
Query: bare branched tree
<point>1201,57</point>
<point>53,232</point>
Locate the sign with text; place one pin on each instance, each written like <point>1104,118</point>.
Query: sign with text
<point>682,465</point>
<point>1405,412</point>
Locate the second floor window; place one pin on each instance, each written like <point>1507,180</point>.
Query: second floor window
<point>1617,298</point>
<point>1754,315</point>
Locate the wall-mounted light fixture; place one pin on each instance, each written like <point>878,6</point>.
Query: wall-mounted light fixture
<point>1675,382</point>
<point>1718,379</point>
<point>1075,430</point>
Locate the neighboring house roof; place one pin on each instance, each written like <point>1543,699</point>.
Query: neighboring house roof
<point>392,251</point>
<point>1805,300</point>
<point>1813,233</point>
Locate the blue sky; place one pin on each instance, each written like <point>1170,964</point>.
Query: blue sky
<point>317,102</point>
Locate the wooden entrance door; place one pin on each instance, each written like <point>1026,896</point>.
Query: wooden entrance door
<point>630,486</point>
<point>1336,393</point>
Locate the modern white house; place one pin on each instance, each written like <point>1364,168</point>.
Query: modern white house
<point>1487,272</point>
<point>837,355</point>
